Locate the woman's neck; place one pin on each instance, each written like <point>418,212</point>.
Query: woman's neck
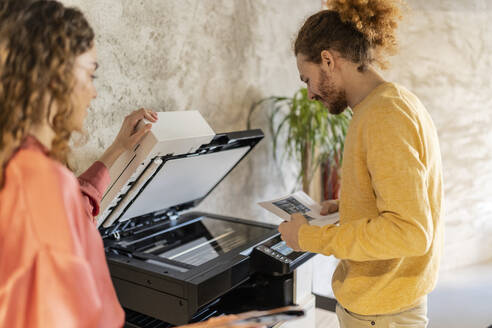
<point>44,133</point>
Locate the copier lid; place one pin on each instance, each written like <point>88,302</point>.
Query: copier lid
<point>181,182</point>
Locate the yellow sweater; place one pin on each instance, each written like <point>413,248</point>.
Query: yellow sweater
<point>390,234</point>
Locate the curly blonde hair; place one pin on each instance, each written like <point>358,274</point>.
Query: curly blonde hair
<point>363,31</point>
<point>37,72</point>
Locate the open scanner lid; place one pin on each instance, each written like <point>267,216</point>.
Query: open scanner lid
<point>174,183</point>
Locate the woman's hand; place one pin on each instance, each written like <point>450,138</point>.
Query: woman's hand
<point>127,137</point>
<point>329,206</point>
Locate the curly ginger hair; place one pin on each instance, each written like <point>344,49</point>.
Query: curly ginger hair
<point>362,31</point>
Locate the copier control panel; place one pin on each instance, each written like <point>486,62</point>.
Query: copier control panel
<point>274,256</point>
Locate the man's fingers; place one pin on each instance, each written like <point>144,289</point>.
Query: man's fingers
<point>324,208</point>
<point>297,217</point>
<point>329,207</point>
<point>281,229</point>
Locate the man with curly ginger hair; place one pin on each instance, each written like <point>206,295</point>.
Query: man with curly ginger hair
<point>390,235</point>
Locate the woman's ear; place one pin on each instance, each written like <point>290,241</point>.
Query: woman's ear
<point>327,60</point>
<point>49,107</point>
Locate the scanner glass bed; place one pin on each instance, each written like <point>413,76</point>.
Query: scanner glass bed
<point>193,243</point>
<point>219,237</point>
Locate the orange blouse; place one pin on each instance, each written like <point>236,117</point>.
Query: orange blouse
<point>53,271</point>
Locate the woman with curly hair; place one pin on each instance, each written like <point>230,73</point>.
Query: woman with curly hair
<point>53,271</point>
<point>390,235</point>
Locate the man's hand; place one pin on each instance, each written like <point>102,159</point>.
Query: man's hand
<point>127,138</point>
<point>329,206</point>
<point>290,230</point>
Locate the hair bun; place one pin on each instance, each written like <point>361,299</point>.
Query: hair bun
<point>377,20</point>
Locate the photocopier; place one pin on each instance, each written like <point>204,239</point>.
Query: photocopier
<point>171,265</point>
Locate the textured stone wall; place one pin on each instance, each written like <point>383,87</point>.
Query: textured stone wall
<point>218,56</point>
<point>446,59</point>
<point>215,56</point>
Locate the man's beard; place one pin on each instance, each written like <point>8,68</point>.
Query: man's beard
<point>336,99</point>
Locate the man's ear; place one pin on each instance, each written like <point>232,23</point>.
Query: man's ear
<point>327,60</point>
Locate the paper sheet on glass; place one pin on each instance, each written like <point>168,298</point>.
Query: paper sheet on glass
<point>299,202</point>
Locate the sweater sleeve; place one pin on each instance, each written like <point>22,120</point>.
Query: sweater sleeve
<point>93,184</point>
<point>404,228</point>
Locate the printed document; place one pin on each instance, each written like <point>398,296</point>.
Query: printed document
<point>299,202</point>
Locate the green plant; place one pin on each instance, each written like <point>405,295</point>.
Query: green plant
<point>312,135</point>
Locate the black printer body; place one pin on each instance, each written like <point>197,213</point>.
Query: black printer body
<point>176,265</point>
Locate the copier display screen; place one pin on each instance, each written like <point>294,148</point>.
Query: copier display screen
<point>282,248</point>
<point>204,240</point>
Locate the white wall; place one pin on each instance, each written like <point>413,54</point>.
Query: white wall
<point>215,56</point>
<point>446,59</point>
<point>218,56</point>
